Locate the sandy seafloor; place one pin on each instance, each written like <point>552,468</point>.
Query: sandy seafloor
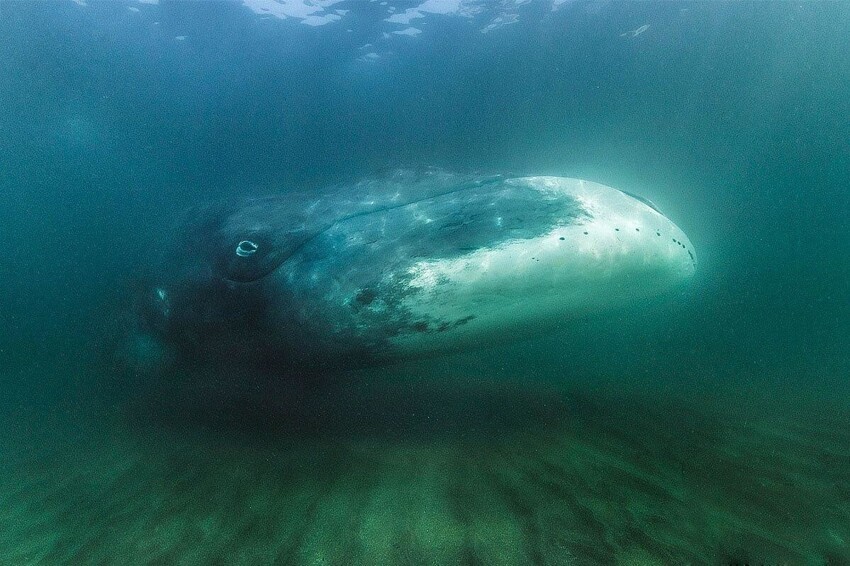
<point>431,471</point>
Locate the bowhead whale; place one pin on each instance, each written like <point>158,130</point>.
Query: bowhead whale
<point>407,265</point>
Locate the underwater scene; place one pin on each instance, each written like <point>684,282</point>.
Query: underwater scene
<point>338,282</point>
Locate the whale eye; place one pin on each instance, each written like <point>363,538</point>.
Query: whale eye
<point>248,257</point>
<point>246,248</point>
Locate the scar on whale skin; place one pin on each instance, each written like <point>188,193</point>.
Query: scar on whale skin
<point>635,32</point>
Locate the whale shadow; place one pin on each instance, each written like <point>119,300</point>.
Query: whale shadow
<point>376,405</point>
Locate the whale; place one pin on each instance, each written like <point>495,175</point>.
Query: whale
<point>405,265</point>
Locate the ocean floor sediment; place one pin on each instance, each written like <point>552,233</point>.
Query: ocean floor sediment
<point>498,475</point>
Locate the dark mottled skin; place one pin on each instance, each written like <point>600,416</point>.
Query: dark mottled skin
<point>327,285</point>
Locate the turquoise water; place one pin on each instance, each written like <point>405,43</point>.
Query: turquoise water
<point>707,427</point>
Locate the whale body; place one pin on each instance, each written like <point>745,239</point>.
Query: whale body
<point>406,265</point>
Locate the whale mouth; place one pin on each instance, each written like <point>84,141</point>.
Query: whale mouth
<point>248,244</point>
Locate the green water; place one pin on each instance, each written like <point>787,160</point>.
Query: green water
<point>709,427</point>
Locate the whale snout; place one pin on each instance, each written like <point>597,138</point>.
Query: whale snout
<point>632,243</point>
<point>605,250</point>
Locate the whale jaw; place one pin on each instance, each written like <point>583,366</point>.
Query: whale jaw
<point>620,252</point>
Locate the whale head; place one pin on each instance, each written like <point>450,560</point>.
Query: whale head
<point>578,248</point>
<point>410,266</point>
